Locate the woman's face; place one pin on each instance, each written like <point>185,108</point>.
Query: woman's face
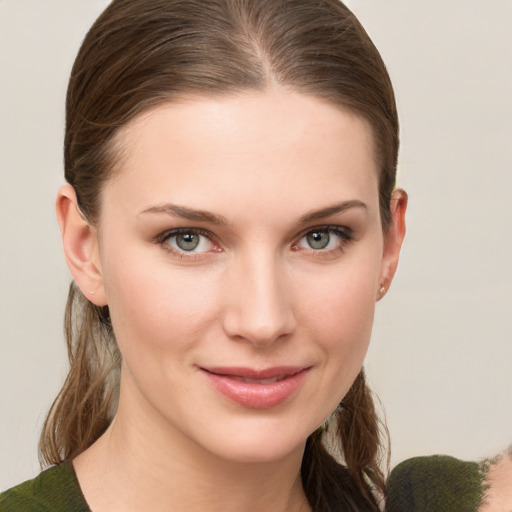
<point>241,255</point>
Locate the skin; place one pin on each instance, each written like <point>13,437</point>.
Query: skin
<point>253,294</point>
<point>498,497</point>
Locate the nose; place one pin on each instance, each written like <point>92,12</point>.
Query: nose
<point>259,306</point>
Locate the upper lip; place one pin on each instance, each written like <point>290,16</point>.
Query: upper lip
<point>251,373</point>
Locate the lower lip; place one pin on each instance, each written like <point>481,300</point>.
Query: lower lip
<point>254,395</point>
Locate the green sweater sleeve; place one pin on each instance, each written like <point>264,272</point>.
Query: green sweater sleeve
<point>435,484</point>
<point>54,490</point>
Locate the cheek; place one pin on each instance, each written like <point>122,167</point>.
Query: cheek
<point>338,310</point>
<point>343,299</point>
<point>338,316</point>
<point>154,307</point>
<point>343,328</point>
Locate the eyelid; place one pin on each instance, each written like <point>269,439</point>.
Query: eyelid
<point>162,238</point>
<point>345,233</point>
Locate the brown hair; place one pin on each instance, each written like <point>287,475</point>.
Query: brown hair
<point>142,53</point>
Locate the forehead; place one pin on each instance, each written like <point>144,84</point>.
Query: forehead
<point>271,146</point>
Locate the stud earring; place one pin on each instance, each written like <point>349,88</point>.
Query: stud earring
<point>382,290</point>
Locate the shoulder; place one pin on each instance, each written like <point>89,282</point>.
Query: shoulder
<point>55,489</point>
<point>438,482</point>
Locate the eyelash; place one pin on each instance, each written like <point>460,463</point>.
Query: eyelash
<point>345,234</point>
<point>163,241</point>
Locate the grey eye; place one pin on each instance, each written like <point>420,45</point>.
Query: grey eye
<point>318,239</point>
<point>187,241</point>
<point>190,241</point>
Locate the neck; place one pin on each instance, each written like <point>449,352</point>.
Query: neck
<point>145,465</point>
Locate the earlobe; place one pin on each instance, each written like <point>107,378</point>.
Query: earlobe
<point>80,244</point>
<point>393,238</point>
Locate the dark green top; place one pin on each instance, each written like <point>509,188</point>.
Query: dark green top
<point>54,490</point>
<point>423,484</point>
<point>436,484</point>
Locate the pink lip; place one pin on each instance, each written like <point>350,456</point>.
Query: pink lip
<point>235,383</point>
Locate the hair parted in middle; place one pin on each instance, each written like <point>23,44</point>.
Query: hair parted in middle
<point>140,54</point>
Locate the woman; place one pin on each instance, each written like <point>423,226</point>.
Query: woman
<point>230,222</point>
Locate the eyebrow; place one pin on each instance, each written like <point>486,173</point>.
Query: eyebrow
<point>188,213</point>
<point>219,220</point>
<point>331,210</point>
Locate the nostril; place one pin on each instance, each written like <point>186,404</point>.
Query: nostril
<point>261,327</point>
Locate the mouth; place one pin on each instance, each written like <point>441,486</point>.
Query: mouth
<point>257,389</point>
<point>257,381</point>
<point>266,376</point>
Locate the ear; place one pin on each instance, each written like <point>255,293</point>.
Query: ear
<point>393,238</point>
<point>80,243</point>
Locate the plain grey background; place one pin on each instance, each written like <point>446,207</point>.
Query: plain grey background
<point>441,355</point>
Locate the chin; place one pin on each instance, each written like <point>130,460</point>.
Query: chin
<point>261,445</point>
<point>264,453</point>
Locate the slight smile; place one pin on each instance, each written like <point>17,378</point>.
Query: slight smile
<point>257,389</point>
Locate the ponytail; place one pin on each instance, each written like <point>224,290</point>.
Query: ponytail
<point>353,436</point>
<point>86,404</point>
